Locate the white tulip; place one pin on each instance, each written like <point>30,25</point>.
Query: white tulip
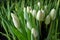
<point>25,14</point>
<point>28,25</point>
<point>28,9</point>
<point>45,7</point>
<point>53,14</point>
<point>31,11</point>
<point>15,20</point>
<point>34,32</point>
<point>47,20</point>
<point>34,13</point>
<point>24,10</point>
<point>40,15</point>
<point>38,4</point>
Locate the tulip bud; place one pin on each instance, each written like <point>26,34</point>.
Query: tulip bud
<point>40,15</point>
<point>53,14</point>
<point>38,4</point>
<point>34,13</point>
<point>45,7</point>
<point>31,11</point>
<point>28,9</point>
<point>24,9</point>
<point>34,32</point>
<point>15,20</point>
<point>25,14</point>
<point>28,25</point>
<point>47,20</point>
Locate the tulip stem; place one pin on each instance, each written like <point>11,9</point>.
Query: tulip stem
<point>49,34</point>
<point>46,27</point>
<point>56,27</point>
<point>35,38</point>
<point>40,27</point>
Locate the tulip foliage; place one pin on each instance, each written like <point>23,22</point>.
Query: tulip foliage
<point>30,19</point>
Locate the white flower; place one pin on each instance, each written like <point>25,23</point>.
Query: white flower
<point>40,15</point>
<point>34,32</point>
<point>31,11</point>
<point>45,7</point>
<point>53,14</point>
<point>25,14</point>
<point>28,25</point>
<point>15,20</point>
<point>47,20</point>
<point>28,9</point>
<point>34,13</point>
<point>38,4</point>
<point>24,9</point>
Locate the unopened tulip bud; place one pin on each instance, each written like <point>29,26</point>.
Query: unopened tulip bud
<point>45,7</point>
<point>40,15</point>
<point>15,20</point>
<point>28,9</point>
<point>25,14</point>
<point>47,20</point>
<point>31,11</point>
<point>53,14</point>
<point>34,32</point>
<point>28,25</point>
<point>34,13</point>
<point>38,4</point>
<point>24,9</point>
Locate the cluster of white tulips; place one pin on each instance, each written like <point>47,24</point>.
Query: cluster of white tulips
<point>38,15</point>
<point>33,12</point>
